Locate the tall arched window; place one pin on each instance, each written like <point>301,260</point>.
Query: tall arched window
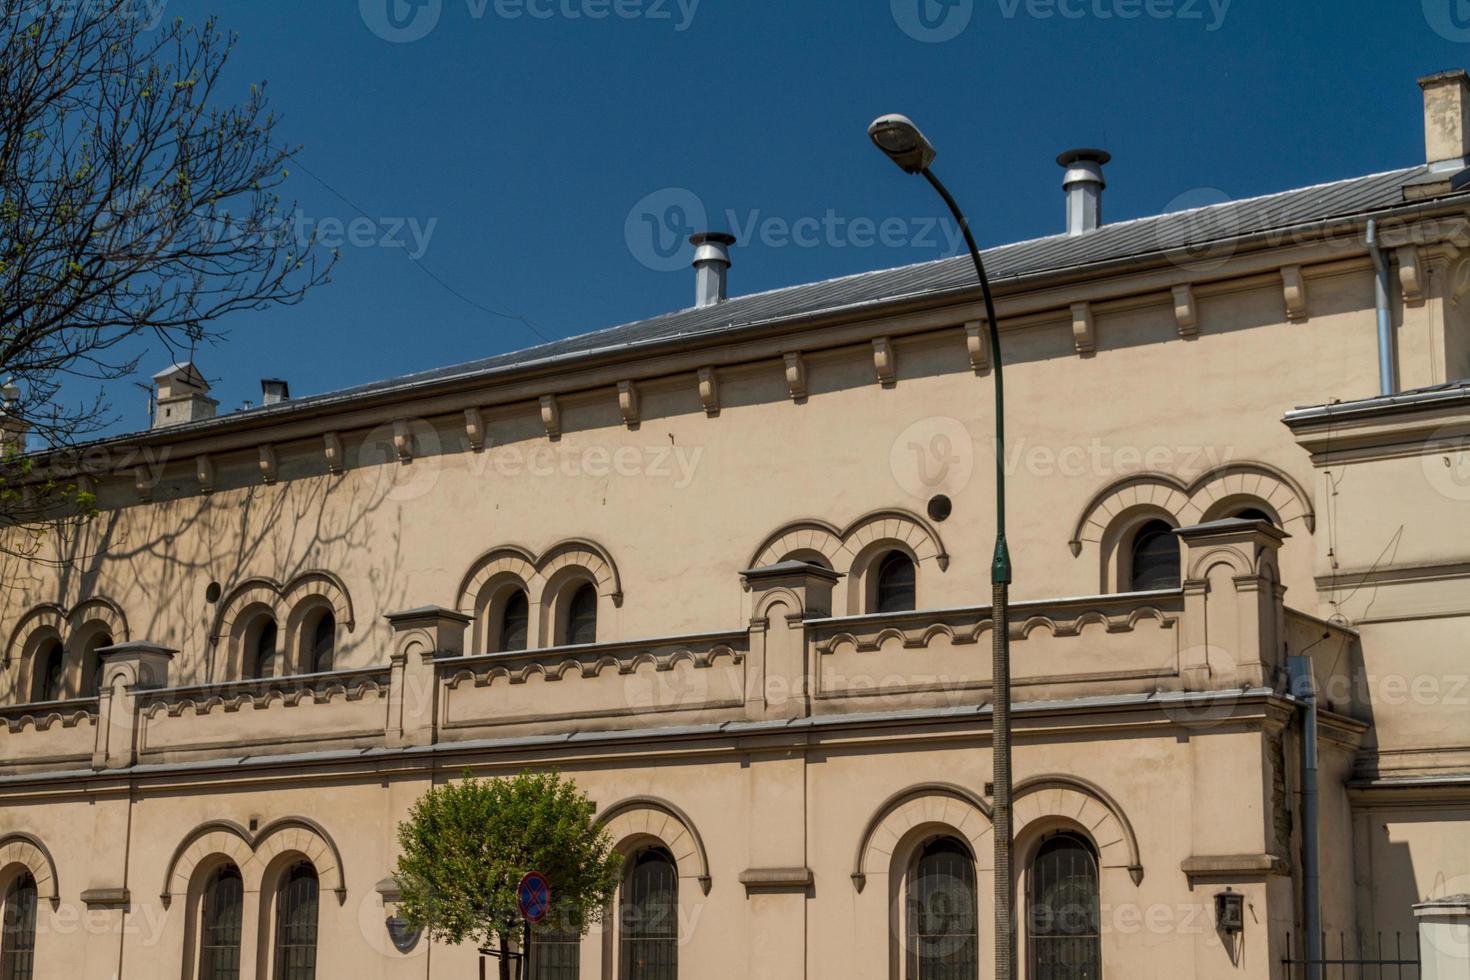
<point>1063,923</point>
<point>18,941</point>
<point>515,622</point>
<point>322,655</point>
<point>942,914</point>
<point>296,915</point>
<point>582,615</point>
<point>895,583</point>
<point>650,918</point>
<point>1154,559</point>
<point>219,925</point>
<point>49,672</point>
<point>262,649</point>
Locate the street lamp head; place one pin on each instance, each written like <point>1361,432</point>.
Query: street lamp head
<point>900,139</point>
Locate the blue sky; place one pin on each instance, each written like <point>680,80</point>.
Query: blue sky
<point>515,155</point>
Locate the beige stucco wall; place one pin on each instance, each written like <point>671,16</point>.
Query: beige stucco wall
<point>665,506</point>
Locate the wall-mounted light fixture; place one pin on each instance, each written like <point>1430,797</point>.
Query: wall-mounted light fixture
<point>403,936</point>
<point>1230,912</point>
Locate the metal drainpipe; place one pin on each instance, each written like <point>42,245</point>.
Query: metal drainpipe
<point>1387,369</point>
<point>1303,686</point>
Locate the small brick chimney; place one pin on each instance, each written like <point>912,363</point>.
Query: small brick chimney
<point>1446,120</point>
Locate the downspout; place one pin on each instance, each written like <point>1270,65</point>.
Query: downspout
<point>1387,369</point>
<point>1303,686</point>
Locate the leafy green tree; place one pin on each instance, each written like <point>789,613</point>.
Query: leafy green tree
<point>466,846</point>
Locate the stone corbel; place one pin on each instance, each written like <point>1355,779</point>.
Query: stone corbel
<point>885,362</point>
<point>1084,336</point>
<point>403,441</point>
<point>1411,274</point>
<point>106,899</point>
<point>332,447</point>
<point>143,482</point>
<point>551,417</point>
<point>1294,290</point>
<point>709,391</point>
<point>268,465</point>
<point>796,376</point>
<point>1186,313</point>
<point>776,880</point>
<point>204,471</point>
<point>977,343</point>
<point>474,429</point>
<point>628,403</point>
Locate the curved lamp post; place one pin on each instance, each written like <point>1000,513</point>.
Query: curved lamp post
<point>901,141</point>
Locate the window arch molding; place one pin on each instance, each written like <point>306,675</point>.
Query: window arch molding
<point>863,577</point>
<point>88,620</point>
<point>22,852</point>
<point>289,605</point>
<point>254,854</point>
<point>847,550</point>
<point>646,819</point>
<point>1044,804</point>
<point>1191,501</point>
<point>492,577</point>
<point>918,811</point>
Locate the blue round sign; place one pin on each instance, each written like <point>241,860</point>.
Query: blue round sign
<point>533,895</point>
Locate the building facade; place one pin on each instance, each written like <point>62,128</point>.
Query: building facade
<point>728,569</point>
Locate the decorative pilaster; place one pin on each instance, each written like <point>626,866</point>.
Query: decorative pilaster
<point>127,668</point>
<point>420,636</point>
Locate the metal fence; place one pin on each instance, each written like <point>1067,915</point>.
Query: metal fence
<point>1395,959</point>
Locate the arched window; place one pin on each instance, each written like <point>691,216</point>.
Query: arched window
<point>942,914</point>
<point>582,615</point>
<point>895,583</point>
<point>1255,514</point>
<point>515,622</point>
<point>261,647</point>
<point>92,665</point>
<point>1155,558</point>
<point>322,655</point>
<point>18,941</point>
<point>1063,903</point>
<point>296,915</point>
<point>219,925</point>
<point>650,918</point>
<point>49,672</point>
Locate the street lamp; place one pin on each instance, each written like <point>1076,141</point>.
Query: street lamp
<point>901,141</point>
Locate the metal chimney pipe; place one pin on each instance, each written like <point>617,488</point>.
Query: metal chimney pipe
<point>711,266</point>
<point>1084,186</point>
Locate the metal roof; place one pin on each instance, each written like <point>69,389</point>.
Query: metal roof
<point>1195,229</point>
